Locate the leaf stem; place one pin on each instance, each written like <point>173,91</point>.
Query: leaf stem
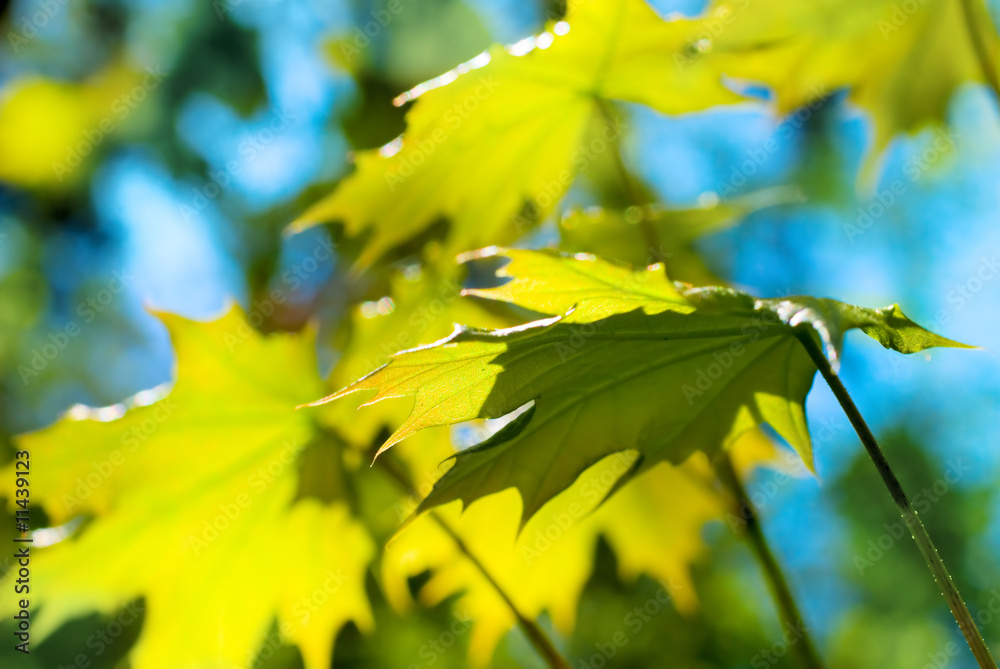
<point>758,542</point>
<point>788,610</point>
<point>940,572</point>
<point>979,45</point>
<point>633,190</point>
<point>536,635</point>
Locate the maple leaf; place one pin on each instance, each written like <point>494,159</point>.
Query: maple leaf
<point>901,62</point>
<point>654,526</point>
<point>193,499</point>
<point>632,362</point>
<point>510,128</point>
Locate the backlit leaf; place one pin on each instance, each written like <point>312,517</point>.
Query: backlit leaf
<point>901,61</point>
<point>511,128</point>
<point>194,505</point>
<point>631,361</point>
<point>654,526</point>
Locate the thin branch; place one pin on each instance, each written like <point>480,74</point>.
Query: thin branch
<point>536,635</point>
<point>989,68</point>
<point>906,510</point>
<point>635,193</point>
<point>788,610</point>
<point>758,542</point>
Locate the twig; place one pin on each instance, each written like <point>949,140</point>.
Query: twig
<point>536,635</point>
<point>906,510</point>
<point>787,608</point>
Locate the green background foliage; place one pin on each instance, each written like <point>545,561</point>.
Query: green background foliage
<point>212,213</point>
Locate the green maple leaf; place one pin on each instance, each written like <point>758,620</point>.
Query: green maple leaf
<point>901,61</point>
<point>630,362</point>
<point>495,144</point>
<point>511,129</point>
<point>654,526</point>
<point>196,506</point>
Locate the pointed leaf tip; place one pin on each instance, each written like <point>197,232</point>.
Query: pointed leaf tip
<point>893,329</point>
<point>599,376</point>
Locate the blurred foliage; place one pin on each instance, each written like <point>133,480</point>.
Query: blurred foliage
<point>144,163</point>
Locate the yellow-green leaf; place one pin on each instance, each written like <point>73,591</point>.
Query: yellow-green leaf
<point>510,128</point>
<point>654,525</point>
<point>630,362</point>
<point>901,61</point>
<point>194,507</point>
